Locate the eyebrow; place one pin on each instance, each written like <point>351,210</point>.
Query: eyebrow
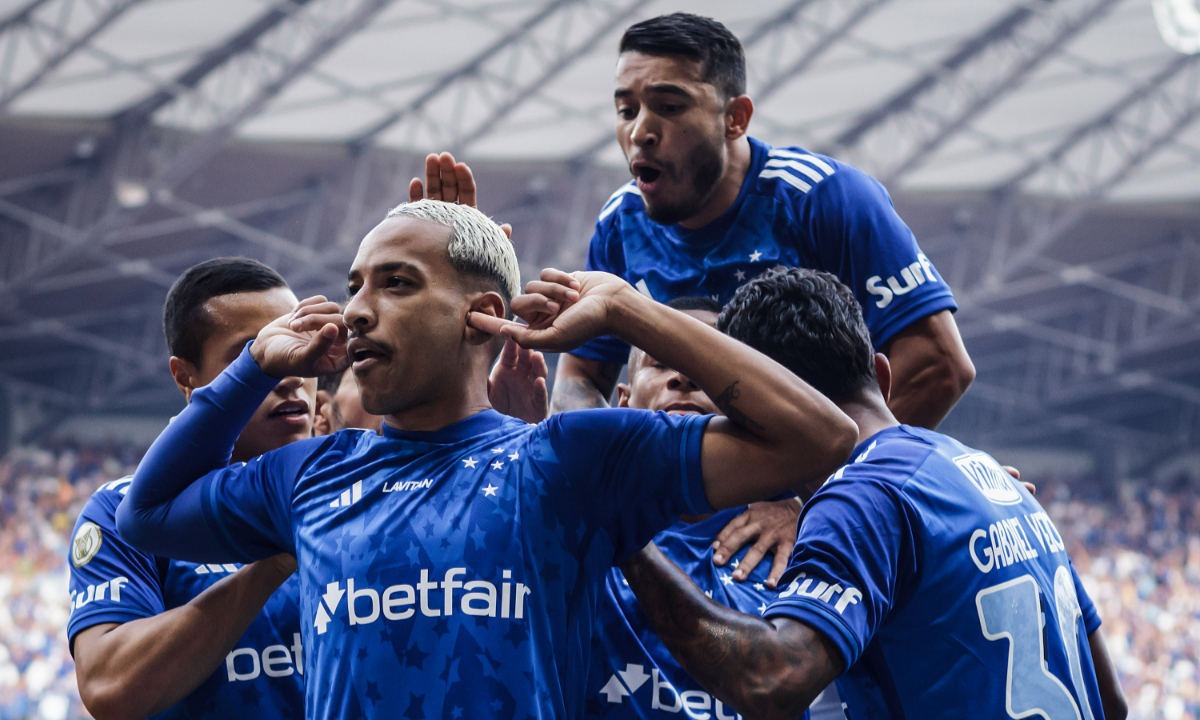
<point>388,267</point>
<point>662,89</point>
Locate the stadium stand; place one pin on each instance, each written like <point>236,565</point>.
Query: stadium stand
<point>1138,552</point>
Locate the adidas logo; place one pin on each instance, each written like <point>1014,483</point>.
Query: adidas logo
<point>212,568</point>
<point>349,496</point>
<point>665,698</point>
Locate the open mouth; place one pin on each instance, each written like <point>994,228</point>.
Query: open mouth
<point>683,409</point>
<point>647,175</point>
<point>291,411</point>
<point>363,354</point>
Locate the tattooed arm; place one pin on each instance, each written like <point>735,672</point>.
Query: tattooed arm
<point>778,433</point>
<point>770,668</point>
<point>582,383</point>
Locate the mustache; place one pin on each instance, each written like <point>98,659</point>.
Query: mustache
<point>369,341</point>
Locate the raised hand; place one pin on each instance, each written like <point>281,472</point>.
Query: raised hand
<point>517,386</point>
<point>447,181</point>
<point>563,310</point>
<point>308,342</point>
<point>771,526</point>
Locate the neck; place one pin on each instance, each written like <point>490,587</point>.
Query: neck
<point>461,402</point>
<point>728,187</point>
<point>870,412</point>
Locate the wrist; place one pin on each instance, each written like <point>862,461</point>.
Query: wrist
<point>625,309</point>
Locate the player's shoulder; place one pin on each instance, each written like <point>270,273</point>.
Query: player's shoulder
<point>101,507</point>
<point>796,175</point>
<point>891,457</point>
<point>626,199</point>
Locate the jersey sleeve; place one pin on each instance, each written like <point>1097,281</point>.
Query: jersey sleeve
<point>630,473</point>
<point>110,581</point>
<point>186,503</point>
<point>853,554</point>
<point>1091,618</point>
<point>860,238</point>
<point>606,254</point>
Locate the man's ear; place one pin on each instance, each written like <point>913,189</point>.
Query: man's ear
<point>624,392</point>
<point>488,303</point>
<point>184,373</point>
<point>883,373</point>
<point>323,417</point>
<point>738,112</point>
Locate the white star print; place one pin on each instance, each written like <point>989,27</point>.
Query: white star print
<point>490,490</point>
<point>754,256</point>
<point>497,450</point>
<point>762,608</point>
<point>514,455</point>
<point>470,462</point>
<point>740,275</point>
<point>497,465</point>
<point>735,563</point>
<point>727,579</point>
<point>758,586</point>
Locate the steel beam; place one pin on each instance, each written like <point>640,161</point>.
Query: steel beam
<point>41,36</point>
<point>906,129</point>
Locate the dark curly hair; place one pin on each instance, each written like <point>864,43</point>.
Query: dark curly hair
<point>810,323</point>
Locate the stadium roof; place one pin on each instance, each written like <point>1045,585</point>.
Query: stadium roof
<point>1045,152</point>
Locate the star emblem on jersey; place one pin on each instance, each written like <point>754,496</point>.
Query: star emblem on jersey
<point>497,465</point>
<point>759,586</point>
<point>470,462</point>
<point>754,256</point>
<point>86,544</point>
<point>497,451</point>
<point>727,579</point>
<point>634,676</point>
<point>514,455</point>
<point>740,275</point>
<point>762,609</point>
<point>490,490</point>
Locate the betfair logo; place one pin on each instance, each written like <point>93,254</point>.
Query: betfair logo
<point>401,602</point>
<point>349,496</point>
<point>664,696</point>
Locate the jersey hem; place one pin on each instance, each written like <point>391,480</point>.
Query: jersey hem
<point>588,351</point>
<point>100,616</point>
<point>693,474</point>
<point>925,308</point>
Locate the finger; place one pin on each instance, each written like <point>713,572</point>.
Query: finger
<point>753,557</point>
<point>538,366</point>
<point>433,178</point>
<point>318,345</point>
<point>530,307</point>
<point>508,356</point>
<point>466,184</point>
<point>739,538</point>
<point>320,308</point>
<point>489,323</point>
<point>1012,471</point>
<point>554,291</point>
<point>1030,487</point>
<point>558,276</point>
<point>507,230</point>
<point>449,180</point>
<point>310,323</point>
<point>782,556</point>
<point>416,190</point>
<point>723,538</point>
<point>311,301</point>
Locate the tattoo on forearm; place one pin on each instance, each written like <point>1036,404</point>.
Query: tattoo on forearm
<point>724,401</point>
<point>576,394</point>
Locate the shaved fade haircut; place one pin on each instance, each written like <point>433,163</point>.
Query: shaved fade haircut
<point>477,247</point>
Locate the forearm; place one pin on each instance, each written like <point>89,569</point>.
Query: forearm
<point>748,663</point>
<point>1112,697</point>
<point>144,666</point>
<point>582,384</point>
<point>926,397</point>
<point>199,441</point>
<point>802,435</point>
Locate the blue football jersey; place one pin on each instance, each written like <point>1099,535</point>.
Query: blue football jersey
<point>945,586</point>
<point>633,675</point>
<point>796,209</point>
<point>112,582</point>
<point>448,574</point>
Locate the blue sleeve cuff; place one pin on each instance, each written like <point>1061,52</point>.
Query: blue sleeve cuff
<point>100,616</point>
<point>606,349</point>
<point>248,373</point>
<point>943,300</point>
<point>692,473</point>
<point>823,621</point>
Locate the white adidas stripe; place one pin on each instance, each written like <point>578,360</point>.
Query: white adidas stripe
<point>799,167</point>
<point>614,200</point>
<point>811,159</point>
<point>788,178</point>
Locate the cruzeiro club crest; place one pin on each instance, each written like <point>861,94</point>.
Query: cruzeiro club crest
<point>86,544</point>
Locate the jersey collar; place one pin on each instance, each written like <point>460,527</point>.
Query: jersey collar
<point>474,426</point>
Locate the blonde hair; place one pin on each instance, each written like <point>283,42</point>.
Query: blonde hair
<point>477,244</point>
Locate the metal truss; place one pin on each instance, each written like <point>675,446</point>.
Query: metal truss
<point>38,37</point>
<point>903,131</point>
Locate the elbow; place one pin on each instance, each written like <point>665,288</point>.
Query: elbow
<point>130,527</point>
<point>1115,706</point>
<point>958,374</point>
<point>773,697</point>
<point>106,700</point>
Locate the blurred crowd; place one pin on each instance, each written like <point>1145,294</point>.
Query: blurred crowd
<point>1138,553</point>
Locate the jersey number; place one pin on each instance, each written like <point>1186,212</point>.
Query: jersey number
<point>1012,611</point>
